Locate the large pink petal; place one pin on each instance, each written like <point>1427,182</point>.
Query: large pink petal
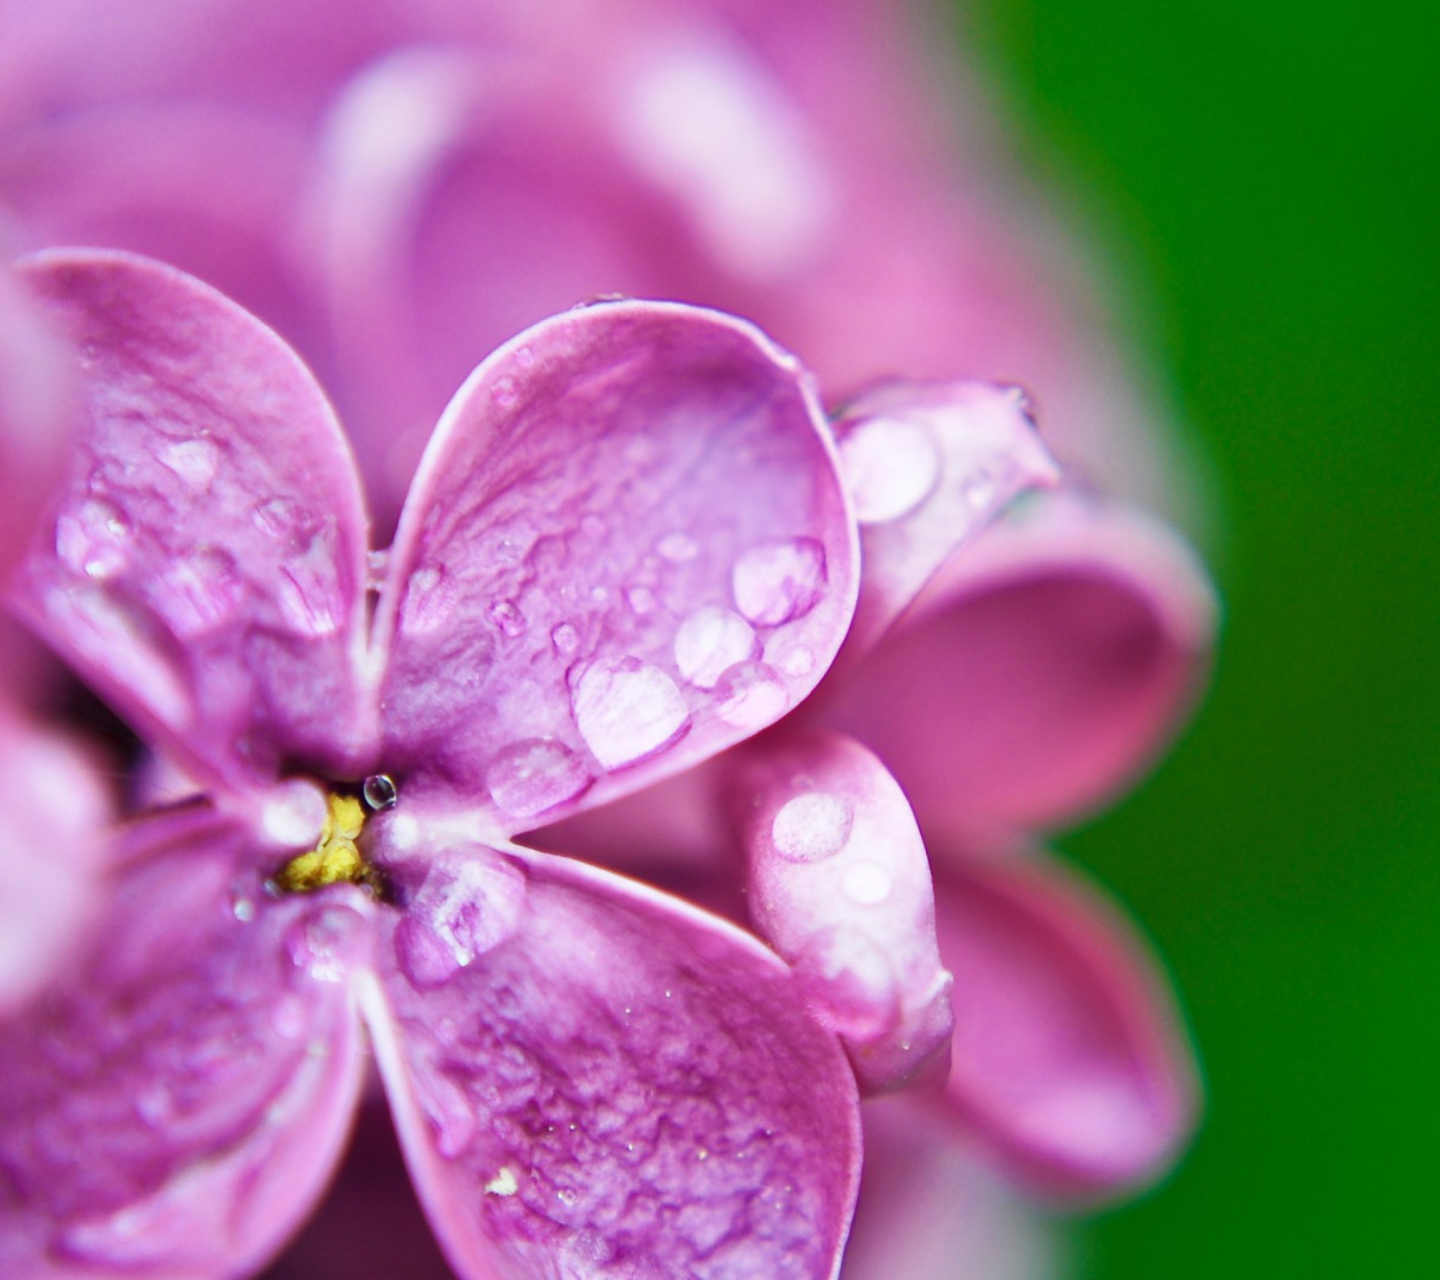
<point>626,549</point>
<point>1043,669</point>
<point>205,569</point>
<point>175,1105</point>
<point>839,884</point>
<point>1070,1062</point>
<point>928,466</point>
<point>590,1076</point>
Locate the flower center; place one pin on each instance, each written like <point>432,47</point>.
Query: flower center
<point>336,858</point>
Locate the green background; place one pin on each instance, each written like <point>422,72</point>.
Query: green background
<point>1268,177</point>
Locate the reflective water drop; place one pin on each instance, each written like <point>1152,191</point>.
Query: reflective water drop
<point>428,601</point>
<point>194,461</point>
<point>465,908</point>
<point>812,826</point>
<point>627,710</point>
<point>200,592</point>
<point>94,539</point>
<point>866,883</point>
<point>379,792</point>
<point>641,600</point>
<point>243,909</point>
<point>503,1183</point>
<point>890,466</point>
<point>565,639</point>
<point>505,393</point>
<point>506,616</point>
<point>524,357</point>
<point>322,943</point>
<point>710,641</point>
<point>751,695</point>
<point>777,582</point>
<point>277,517</point>
<point>677,547</point>
<point>305,601</point>
<point>529,777</point>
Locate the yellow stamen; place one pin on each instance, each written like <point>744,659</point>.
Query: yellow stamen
<point>337,857</point>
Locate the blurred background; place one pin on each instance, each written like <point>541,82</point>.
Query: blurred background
<point>1266,178</point>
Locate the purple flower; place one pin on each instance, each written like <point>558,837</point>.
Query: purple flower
<point>587,1075</point>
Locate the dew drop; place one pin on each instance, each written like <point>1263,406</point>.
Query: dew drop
<point>778,582</point>
<point>890,466</point>
<point>812,827</point>
<point>565,638</point>
<point>528,777</point>
<point>505,393</point>
<point>194,461</point>
<point>243,909</point>
<point>427,601</point>
<point>524,357</point>
<point>710,641</point>
<point>627,710</point>
<point>751,696</point>
<point>677,547</point>
<point>94,539</point>
<point>379,792</point>
<point>321,943</point>
<point>866,884</point>
<point>506,616</point>
<point>304,600</point>
<point>464,909</point>
<point>200,592</point>
<point>503,1183</point>
<point>799,662</point>
<point>276,517</point>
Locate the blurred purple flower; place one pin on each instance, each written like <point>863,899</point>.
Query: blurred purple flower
<point>584,1072</point>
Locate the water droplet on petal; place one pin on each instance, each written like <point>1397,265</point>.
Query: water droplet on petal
<point>463,909</point>
<point>565,639</point>
<point>505,393</point>
<point>503,1183</point>
<point>450,1115</point>
<point>710,641</point>
<point>529,777</point>
<point>866,883</point>
<point>677,547</point>
<point>427,601</point>
<point>506,616</point>
<point>524,357</point>
<point>323,944</point>
<point>304,600</point>
<point>379,792</point>
<point>751,695</point>
<point>778,582</point>
<point>890,466</point>
<point>627,710</point>
<point>812,827</point>
<point>200,592</point>
<point>194,461</point>
<point>277,517</point>
<point>799,662</point>
<point>94,539</point>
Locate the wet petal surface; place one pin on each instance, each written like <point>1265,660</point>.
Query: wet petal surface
<point>175,1105</point>
<point>627,548</point>
<point>840,885</point>
<point>611,1084</point>
<point>1069,1061</point>
<point>205,568</point>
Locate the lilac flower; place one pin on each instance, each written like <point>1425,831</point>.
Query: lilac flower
<point>587,1076</point>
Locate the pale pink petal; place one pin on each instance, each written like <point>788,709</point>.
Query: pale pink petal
<point>1069,1062</point>
<point>205,570</point>
<point>928,466</point>
<point>1043,669</point>
<point>50,855</point>
<point>839,885</point>
<point>589,1076</point>
<point>174,1106</point>
<point>626,549</point>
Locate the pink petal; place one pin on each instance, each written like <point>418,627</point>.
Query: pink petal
<point>1070,1061</point>
<point>49,879</point>
<point>175,1105</point>
<point>626,549</point>
<point>840,885</point>
<point>928,466</point>
<point>1042,670</point>
<point>206,568</point>
<point>587,1074</point>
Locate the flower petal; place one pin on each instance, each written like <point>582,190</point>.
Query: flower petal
<point>1069,1059</point>
<point>928,466</point>
<point>839,884</point>
<point>206,567</point>
<point>175,1106</point>
<point>1042,670</point>
<point>627,547</point>
<point>588,1074</point>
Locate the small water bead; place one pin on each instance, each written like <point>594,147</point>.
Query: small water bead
<point>890,466</point>
<point>797,663</point>
<point>464,908</point>
<point>428,601</point>
<point>812,827</point>
<point>524,357</point>
<point>508,619</point>
<point>505,392</point>
<point>94,539</point>
<point>750,696</point>
<point>321,944</point>
<point>199,593</point>
<point>677,547</point>
<point>503,1183</point>
<point>194,461</point>
<point>528,777</point>
<point>777,582</point>
<point>379,792</point>
<point>565,638</point>
<point>627,710</point>
<point>866,884</point>
<point>305,601</point>
<point>709,642</point>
